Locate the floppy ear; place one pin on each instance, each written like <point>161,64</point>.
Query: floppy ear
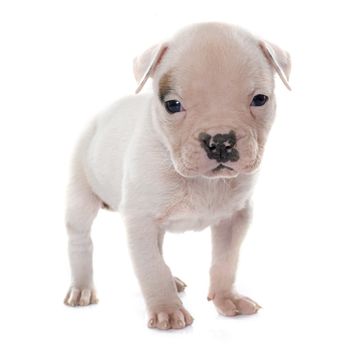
<point>279,59</point>
<point>146,64</point>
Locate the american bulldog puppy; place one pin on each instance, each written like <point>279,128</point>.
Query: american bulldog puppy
<point>184,157</point>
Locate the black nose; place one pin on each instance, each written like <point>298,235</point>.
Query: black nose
<point>220,146</point>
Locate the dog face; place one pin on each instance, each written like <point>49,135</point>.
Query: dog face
<point>214,98</point>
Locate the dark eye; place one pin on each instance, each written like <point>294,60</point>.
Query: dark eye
<point>259,100</point>
<point>173,106</point>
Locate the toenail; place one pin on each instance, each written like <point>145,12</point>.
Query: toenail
<point>164,325</point>
<point>180,323</point>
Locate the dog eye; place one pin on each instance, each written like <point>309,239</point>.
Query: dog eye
<point>259,100</point>
<point>173,106</point>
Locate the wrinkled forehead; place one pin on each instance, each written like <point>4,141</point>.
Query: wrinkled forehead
<point>215,64</point>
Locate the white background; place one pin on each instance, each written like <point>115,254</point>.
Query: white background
<point>61,62</point>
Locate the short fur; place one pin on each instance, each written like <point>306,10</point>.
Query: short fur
<point>150,165</point>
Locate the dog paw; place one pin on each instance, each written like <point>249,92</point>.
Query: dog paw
<point>80,297</point>
<point>234,304</point>
<point>169,318</point>
<point>180,285</point>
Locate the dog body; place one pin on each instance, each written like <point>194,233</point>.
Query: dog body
<point>183,158</point>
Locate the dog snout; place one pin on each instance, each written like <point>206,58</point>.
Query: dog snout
<point>220,147</point>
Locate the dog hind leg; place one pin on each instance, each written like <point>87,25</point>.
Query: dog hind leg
<point>82,208</point>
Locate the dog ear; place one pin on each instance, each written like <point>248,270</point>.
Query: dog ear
<point>145,65</point>
<point>279,59</point>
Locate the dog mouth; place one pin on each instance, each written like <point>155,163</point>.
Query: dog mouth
<point>223,171</point>
<point>220,167</point>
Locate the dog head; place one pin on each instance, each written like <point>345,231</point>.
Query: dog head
<point>214,100</point>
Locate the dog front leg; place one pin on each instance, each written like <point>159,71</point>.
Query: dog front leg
<point>156,281</point>
<point>227,237</point>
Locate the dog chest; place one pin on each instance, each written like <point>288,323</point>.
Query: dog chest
<point>202,205</point>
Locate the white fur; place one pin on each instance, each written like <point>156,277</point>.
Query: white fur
<point>131,159</point>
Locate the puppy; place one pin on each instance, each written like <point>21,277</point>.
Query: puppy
<point>182,158</point>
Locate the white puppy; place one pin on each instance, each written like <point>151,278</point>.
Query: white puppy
<point>182,158</point>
